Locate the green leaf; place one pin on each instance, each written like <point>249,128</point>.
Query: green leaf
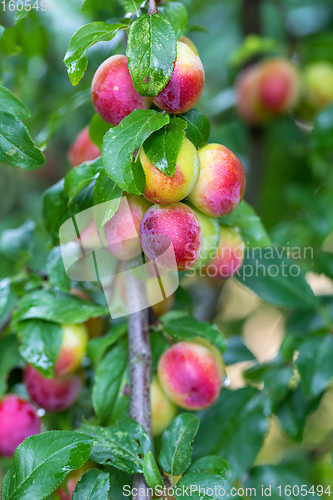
<point>76,58</point>
<point>122,445</point>
<point>10,103</point>
<point>131,6</point>
<point>79,177</point>
<point>9,358</point>
<point>55,270</point>
<point>55,209</point>
<point>211,464</point>
<point>97,129</point>
<point>7,298</point>
<point>151,52</point>
<point>56,306</point>
<point>275,375</point>
<point>93,485</point>
<point>120,143</point>
<point>40,344</point>
<point>57,118</point>
<point>253,232</point>
<point>98,346</point>
<point>106,189</point>
<point>151,472</point>
<point>16,146</point>
<point>293,412</point>
<point>200,486</point>
<point>198,127</point>
<point>322,132</point>
<point>18,243</point>
<point>163,146</point>
<point>41,463</point>
<point>188,328</point>
<point>276,279</point>
<point>237,351</point>
<point>108,381</point>
<point>314,364</point>
<point>176,451</point>
<point>176,14</point>
<point>234,428</point>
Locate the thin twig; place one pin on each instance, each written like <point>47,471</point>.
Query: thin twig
<point>140,366</point>
<point>152,7</point>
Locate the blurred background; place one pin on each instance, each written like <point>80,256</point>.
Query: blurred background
<point>288,162</point>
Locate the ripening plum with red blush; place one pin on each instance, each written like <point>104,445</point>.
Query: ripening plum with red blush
<point>221,184</point>
<point>113,93</point>
<point>171,236</point>
<point>186,83</point>
<point>73,348</point>
<point>266,90</point>
<point>18,420</point>
<point>165,190</point>
<point>229,256</point>
<point>121,232</point>
<point>83,149</point>
<point>53,394</point>
<point>190,375</point>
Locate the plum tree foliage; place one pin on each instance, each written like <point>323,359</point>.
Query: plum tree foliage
<point>151,401</point>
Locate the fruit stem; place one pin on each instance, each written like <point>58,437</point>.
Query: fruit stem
<point>140,366</point>
<point>152,7</point>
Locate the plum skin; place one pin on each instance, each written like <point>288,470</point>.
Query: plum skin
<point>175,225</point>
<point>266,90</point>
<point>229,256</point>
<point>185,85</point>
<point>82,149</point>
<point>121,232</point>
<point>164,190</point>
<point>53,394</point>
<point>190,375</point>
<point>222,182</point>
<point>163,411</point>
<point>113,94</point>
<point>73,349</point>
<point>18,420</point>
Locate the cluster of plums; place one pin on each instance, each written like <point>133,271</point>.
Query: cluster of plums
<point>183,209</point>
<point>275,87</point>
<point>52,394</point>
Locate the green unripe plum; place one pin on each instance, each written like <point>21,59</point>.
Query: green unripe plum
<point>210,238</point>
<point>163,411</point>
<point>318,84</point>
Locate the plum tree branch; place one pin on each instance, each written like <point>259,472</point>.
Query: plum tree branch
<point>152,7</point>
<point>140,366</point>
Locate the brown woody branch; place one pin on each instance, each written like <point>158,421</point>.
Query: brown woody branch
<point>152,7</point>
<point>140,366</point>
